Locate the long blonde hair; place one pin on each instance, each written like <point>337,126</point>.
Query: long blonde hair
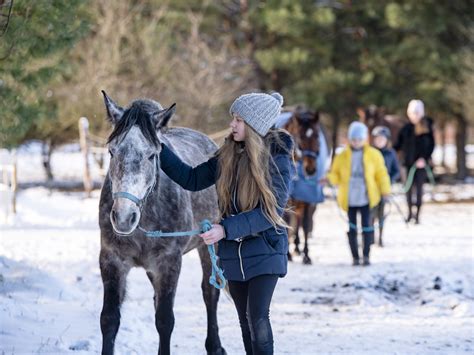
<point>244,175</point>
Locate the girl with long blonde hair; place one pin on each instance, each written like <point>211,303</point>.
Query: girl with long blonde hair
<point>252,172</point>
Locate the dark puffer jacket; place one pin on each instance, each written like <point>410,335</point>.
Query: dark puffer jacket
<point>391,163</point>
<point>415,146</point>
<point>252,245</point>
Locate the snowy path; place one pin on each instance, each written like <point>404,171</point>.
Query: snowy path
<point>51,293</point>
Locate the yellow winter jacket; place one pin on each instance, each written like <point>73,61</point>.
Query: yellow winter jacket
<point>377,180</point>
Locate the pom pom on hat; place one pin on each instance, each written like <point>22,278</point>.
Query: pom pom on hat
<point>278,97</point>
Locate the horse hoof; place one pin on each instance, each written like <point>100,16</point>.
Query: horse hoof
<point>381,244</point>
<point>290,258</point>
<point>307,260</point>
<point>297,251</point>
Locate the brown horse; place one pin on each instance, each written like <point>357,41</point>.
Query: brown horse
<point>304,126</point>
<point>373,116</point>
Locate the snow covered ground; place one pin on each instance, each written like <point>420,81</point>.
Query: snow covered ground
<point>416,298</point>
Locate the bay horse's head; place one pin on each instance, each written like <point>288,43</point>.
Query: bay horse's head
<point>134,148</point>
<point>371,116</point>
<point>304,127</point>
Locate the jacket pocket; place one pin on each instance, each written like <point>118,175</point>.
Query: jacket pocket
<point>277,242</point>
<point>255,246</point>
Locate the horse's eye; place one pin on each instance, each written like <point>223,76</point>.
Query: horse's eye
<point>151,157</point>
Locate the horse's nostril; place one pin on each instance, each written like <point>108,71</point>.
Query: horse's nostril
<point>133,218</point>
<point>114,216</point>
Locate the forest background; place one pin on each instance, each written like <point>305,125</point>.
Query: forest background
<point>332,56</point>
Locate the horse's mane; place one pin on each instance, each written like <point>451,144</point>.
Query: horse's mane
<point>138,114</point>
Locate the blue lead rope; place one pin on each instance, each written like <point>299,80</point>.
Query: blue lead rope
<point>205,226</point>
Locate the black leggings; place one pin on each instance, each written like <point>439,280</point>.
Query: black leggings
<point>418,181</point>
<point>252,299</point>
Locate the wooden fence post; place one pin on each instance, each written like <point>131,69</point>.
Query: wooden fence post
<point>84,138</point>
<point>14,181</point>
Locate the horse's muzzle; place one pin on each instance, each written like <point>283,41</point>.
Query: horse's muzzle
<point>124,222</point>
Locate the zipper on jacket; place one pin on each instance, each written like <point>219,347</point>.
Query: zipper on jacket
<point>241,263</point>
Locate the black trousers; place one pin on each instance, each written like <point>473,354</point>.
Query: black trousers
<point>417,186</point>
<point>252,299</point>
<point>367,230</point>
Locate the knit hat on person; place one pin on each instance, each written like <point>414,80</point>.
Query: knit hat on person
<point>258,110</point>
<point>381,131</point>
<point>357,130</point>
<point>416,106</point>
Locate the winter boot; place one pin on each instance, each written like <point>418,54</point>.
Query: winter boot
<point>417,215</point>
<point>368,241</point>
<point>352,235</point>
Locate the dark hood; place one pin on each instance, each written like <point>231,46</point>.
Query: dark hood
<point>282,144</point>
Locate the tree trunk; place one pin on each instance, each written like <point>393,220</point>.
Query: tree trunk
<point>443,145</point>
<point>250,35</point>
<point>335,133</point>
<point>461,140</point>
<point>46,152</point>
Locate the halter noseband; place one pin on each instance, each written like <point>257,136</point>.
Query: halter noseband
<point>139,202</point>
<point>130,197</point>
<point>307,153</point>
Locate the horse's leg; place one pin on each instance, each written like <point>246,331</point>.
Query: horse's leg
<point>308,229</point>
<point>381,215</point>
<point>211,297</point>
<point>287,218</point>
<point>298,217</point>
<point>164,278</point>
<point>114,274</point>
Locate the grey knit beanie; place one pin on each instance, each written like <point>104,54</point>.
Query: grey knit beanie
<point>258,110</point>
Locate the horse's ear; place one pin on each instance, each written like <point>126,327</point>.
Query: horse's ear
<point>361,113</point>
<point>114,111</point>
<point>162,117</point>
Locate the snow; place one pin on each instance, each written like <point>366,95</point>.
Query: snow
<point>416,297</point>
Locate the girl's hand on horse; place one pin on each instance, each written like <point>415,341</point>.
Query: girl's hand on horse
<point>213,235</point>
<point>420,163</point>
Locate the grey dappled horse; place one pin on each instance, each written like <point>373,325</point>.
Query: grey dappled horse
<point>148,200</point>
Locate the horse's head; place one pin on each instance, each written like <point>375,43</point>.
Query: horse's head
<point>371,116</point>
<point>304,127</point>
<point>134,148</point>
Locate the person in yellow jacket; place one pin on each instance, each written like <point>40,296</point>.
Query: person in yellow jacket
<point>361,176</point>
